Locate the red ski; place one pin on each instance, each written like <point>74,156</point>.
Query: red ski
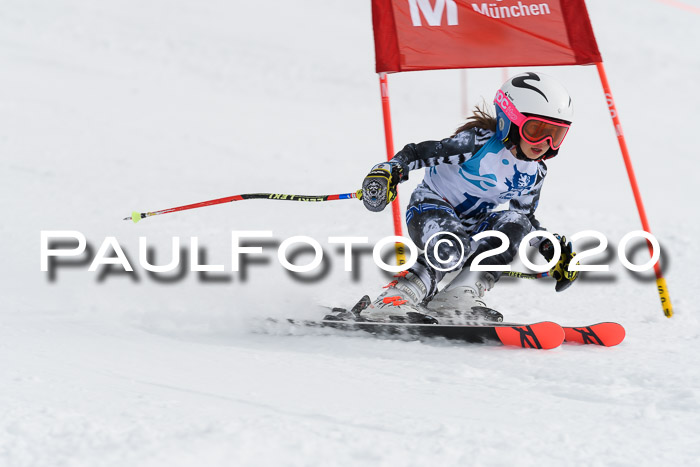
<point>489,326</point>
<point>543,335</point>
<point>606,334</point>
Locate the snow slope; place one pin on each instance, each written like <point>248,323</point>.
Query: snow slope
<point>112,107</point>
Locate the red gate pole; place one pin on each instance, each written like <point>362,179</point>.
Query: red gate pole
<point>388,135</point>
<point>660,281</point>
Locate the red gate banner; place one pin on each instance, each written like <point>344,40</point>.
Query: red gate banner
<point>412,35</point>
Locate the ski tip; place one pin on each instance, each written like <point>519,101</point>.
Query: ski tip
<point>607,334</point>
<point>543,335</point>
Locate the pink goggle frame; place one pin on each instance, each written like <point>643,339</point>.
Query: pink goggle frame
<point>533,129</point>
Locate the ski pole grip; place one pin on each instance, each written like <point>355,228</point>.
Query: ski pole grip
<point>664,296</point>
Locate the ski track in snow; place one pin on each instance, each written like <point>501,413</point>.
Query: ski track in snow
<point>146,105</point>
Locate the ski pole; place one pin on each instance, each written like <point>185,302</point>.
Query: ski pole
<point>137,216</point>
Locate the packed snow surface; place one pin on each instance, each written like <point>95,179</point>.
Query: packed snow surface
<point>111,107</point>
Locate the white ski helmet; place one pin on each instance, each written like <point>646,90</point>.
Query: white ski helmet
<point>533,95</point>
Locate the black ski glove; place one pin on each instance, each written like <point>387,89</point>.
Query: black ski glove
<point>379,186</point>
<point>560,271</point>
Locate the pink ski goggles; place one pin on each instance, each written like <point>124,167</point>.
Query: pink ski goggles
<point>534,130</point>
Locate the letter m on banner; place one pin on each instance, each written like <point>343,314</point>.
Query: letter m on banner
<point>412,35</point>
<point>433,15</point>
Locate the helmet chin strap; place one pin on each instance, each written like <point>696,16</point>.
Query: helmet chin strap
<point>512,140</point>
<point>549,154</point>
<point>519,154</point>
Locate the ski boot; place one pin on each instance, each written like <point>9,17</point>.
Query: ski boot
<point>462,301</point>
<point>400,302</point>
<point>399,314</point>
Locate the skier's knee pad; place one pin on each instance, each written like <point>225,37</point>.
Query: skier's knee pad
<point>512,219</point>
<point>515,226</point>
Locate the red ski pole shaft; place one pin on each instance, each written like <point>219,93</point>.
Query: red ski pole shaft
<point>137,216</point>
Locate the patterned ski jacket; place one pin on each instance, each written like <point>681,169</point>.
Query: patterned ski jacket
<point>476,174</point>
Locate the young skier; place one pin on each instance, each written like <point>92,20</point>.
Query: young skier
<point>487,163</point>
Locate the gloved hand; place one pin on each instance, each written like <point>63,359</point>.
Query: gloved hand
<point>379,186</point>
<point>560,271</point>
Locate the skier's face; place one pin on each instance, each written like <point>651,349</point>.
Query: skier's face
<point>534,151</point>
